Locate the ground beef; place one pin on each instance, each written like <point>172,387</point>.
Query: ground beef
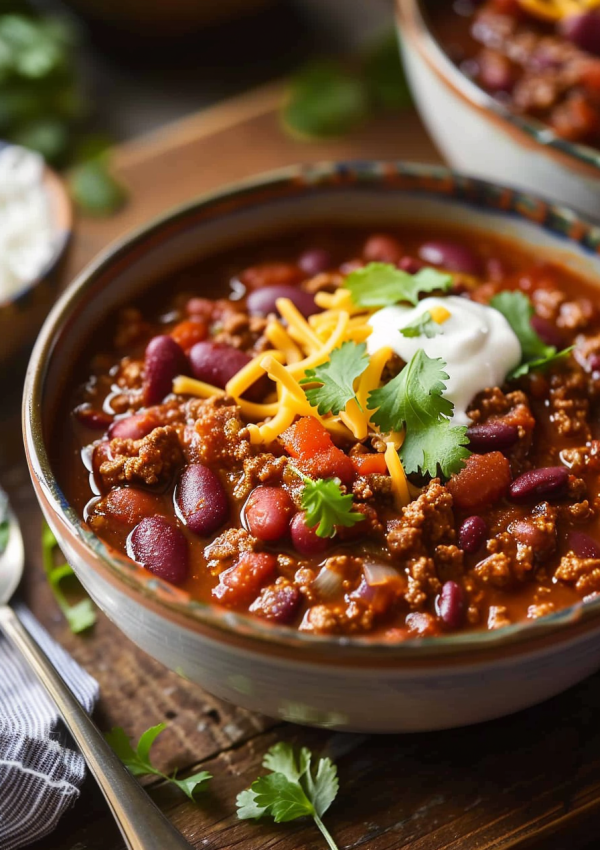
<point>498,617</point>
<point>324,282</point>
<point>584,573</point>
<point>352,618</point>
<point>148,461</point>
<point>131,328</point>
<point>227,547</point>
<point>259,469</point>
<point>511,408</point>
<point>423,582</point>
<point>583,458</point>
<point>449,561</point>
<point>241,331</point>
<point>569,404</point>
<point>424,523</point>
<point>220,435</point>
<point>368,487</point>
<point>509,561</point>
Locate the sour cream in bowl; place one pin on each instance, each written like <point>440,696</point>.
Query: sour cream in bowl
<point>475,342</point>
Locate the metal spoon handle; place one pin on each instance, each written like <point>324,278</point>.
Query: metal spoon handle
<point>141,822</point>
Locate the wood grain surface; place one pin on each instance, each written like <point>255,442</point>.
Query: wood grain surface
<point>530,780</point>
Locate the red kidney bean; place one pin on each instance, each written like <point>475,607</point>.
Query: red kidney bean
<point>134,427</point>
<point>410,264</point>
<point>529,534</point>
<point>271,274</point>
<point>547,332</point>
<point>268,512</point>
<point>593,363</point>
<point>472,534</point>
<point>315,260</point>
<point>261,302</point>
<point>216,362</point>
<point>496,72</point>
<point>492,436</point>
<point>130,505</point>
<point>305,539</point>
<point>381,248</point>
<point>277,603</point>
<point>164,360</point>
<point>202,499</point>
<point>96,420</point>
<point>451,604</point>
<point>583,30</point>
<point>200,309</point>
<point>450,255</point>
<point>240,584</point>
<point>546,483</point>
<point>583,545</point>
<point>161,548</point>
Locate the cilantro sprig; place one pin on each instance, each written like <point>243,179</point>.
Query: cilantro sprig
<point>138,762</point>
<point>4,521</point>
<point>336,377</point>
<point>381,284</point>
<point>292,790</point>
<point>326,506</point>
<point>414,401</point>
<point>423,325</point>
<point>80,615</point>
<point>518,312</point>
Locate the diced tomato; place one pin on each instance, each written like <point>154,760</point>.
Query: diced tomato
<point>370,464</point>
<point>188,333</point>
<point>331,463</point>
<point>589,76</point>
<point>305,438</point>
<point>240,584</point>
<point>483,481</point>
<point>271,274</point>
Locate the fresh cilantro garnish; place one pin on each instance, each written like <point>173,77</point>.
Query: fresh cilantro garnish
<point>292,790</point>
<point>4,521</point>
<point>138,761</point>
<point>381,284</point>
<point>423,325</point>
<point>326,505</point>
<point>518,311</point>
<point>94,188</point>
<point>413,401</point>
<point>336,378</point>
<point>81,615</point>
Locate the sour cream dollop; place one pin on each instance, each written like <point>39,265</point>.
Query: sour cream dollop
<point>476,342</point>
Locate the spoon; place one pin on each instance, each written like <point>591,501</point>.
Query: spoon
<point>142,824</point>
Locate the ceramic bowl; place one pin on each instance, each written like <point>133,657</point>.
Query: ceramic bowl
<point>22,314</point>
<point>345,683</point>
<point>479,135</point>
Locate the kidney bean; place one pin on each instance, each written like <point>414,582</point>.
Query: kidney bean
<point>410,264</point>
<point>304,538</point>
<point>240,583</point>
<point>593,363</point>
<point>484,480</point>
<point>472,534</point>
<point>200,309</point>
<point>492,436</point>
<point>130,505</point>
<point>381,248</point>
<point>547,332</point>
<point>496,72</point>
<point>96,420</point>
<point>216,362</point>
<point>268,512</point>
<point>450,255</point>
<point>202,499</point>
<point>277,602</point>
<point>451,604</point>
<point>526,531</point>
<point>271,274</point>
<point>261,302</point>
<point>546,483</point>
<point>164,360</point>
<point>134,427</point>
<point>315,260</point>
<point>161,548</point>
<point>583,30</point>
<point>583,545</point>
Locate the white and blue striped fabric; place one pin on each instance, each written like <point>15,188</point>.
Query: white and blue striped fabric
<point>39,778</point>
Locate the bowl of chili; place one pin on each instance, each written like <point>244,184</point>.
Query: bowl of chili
<point>331,456</point>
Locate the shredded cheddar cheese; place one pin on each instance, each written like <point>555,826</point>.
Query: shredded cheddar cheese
<point>399,482</point>
<point>554,10</point>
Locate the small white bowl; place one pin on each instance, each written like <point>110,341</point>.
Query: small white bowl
<point>480,136</point>
<point>344,683</point>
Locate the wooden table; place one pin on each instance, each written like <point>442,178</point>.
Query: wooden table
<point>528,780</point>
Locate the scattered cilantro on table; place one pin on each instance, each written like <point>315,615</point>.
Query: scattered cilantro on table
<point>292,790</point>
<point>381,284</point>
<point>4,521</point>
<point>518,311</point>
<point>336,378</point>
<point>81,615</point>
<point>423,325</point>
<point>413,401</point>
<point>95,189</point>
<point>326,505</point>
<point>138,761</point>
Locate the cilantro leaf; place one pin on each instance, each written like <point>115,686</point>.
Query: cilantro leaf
<point>138,762</point>
<point>94,189</point>
<point>336,378</point>
<point>326,506</point>
<point>413,401</point>
<point>4,521</point>
<point>381,284</point>
<point>80,615</point>
<point>540,363</point>
<point>423,325</point>
<point>292,790</point>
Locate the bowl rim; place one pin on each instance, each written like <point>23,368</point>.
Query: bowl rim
<point>242,629</point>
<point>413,15</point>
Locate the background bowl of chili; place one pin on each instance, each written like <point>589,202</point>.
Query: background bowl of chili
<point>346,682</point>
<point>480,134</point>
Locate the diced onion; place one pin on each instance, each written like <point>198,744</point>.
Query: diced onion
<point>328,583</point>
<point>377,573</point>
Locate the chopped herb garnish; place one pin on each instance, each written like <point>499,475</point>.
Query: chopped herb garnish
<point>414,401</point>
<point>138,761</point>
<point>423,325</point>
<point>292,790</point>
<point>381,284</point>
<point>4,521</point>
<point>95,189</point>
<point>326,506</point>
<point>81,615</point>
<point>336,378</point>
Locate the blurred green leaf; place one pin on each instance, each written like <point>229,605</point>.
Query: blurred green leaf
<point>384,75</point>
<point>94,189</point>
<point>48,136</point>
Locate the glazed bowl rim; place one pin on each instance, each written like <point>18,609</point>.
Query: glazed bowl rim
<point>536,131</point>
<point>172,603</point>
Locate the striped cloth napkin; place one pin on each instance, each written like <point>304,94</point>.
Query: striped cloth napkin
<point>39,777</point>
